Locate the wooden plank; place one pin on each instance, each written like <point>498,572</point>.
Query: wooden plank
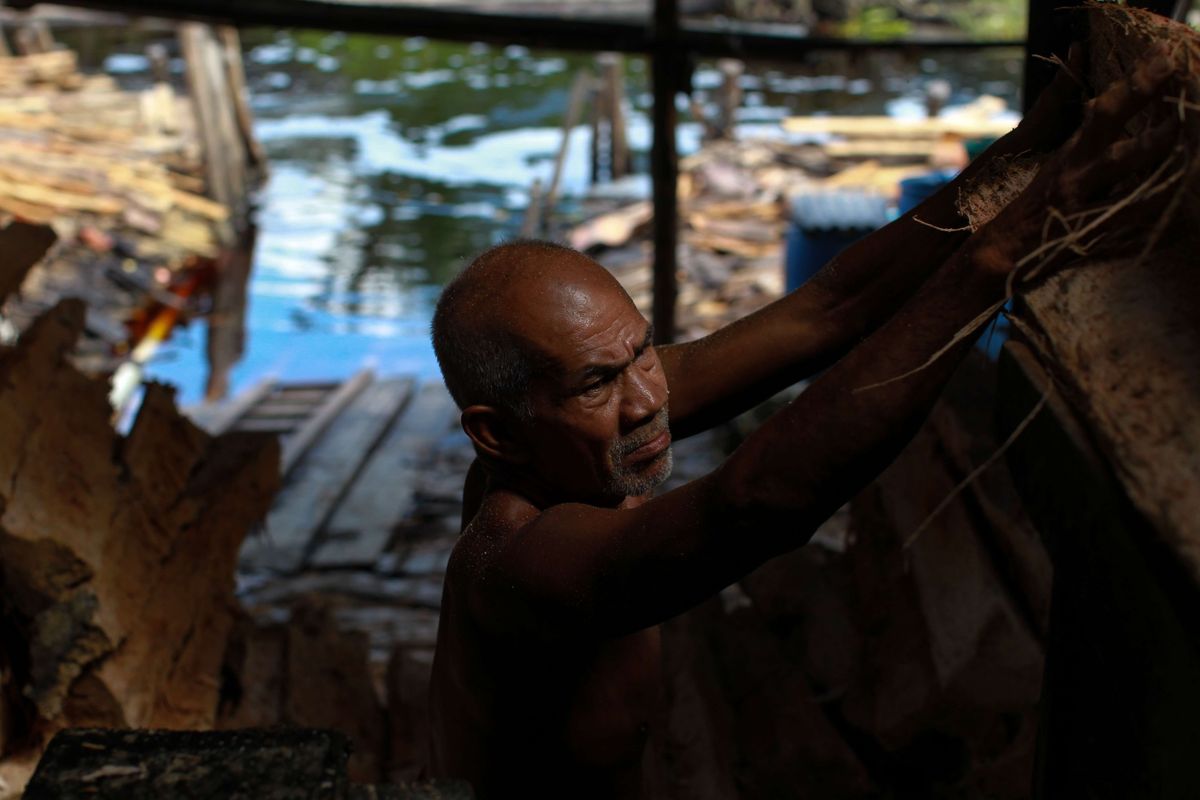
<point>195,40</point>
<point>313,490</point>
<point>272,407</point>
<point>266,425</point>
<point>333,404</point>
<point>371,587</point>
<point>312,393</point>
<point>1120,698</point>
<point>208,81</point>
<point>384,495</point>
<point>612,229</point>
<point>891,128</point>
<point>218,418</point>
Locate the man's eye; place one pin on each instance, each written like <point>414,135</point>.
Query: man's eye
<point>644,356</point>
<point>593,389</point>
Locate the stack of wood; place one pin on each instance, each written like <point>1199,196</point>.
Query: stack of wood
<point>76,151</point>
<point>57,68</point>
<point>146,190</point>
<point>731,250</point>
<point>734,202</point>
<point>117,552</point>
<point>904,140</point>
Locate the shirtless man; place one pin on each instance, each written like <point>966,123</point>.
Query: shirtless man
<point>547,673</point>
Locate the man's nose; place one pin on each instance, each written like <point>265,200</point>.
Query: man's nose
<point>645,396</point>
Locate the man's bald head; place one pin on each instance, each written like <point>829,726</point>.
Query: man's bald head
<point>485,317</point>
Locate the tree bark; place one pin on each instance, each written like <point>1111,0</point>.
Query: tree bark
<point>117,555</point>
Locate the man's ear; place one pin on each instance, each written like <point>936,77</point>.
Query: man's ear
<point>494,434</point>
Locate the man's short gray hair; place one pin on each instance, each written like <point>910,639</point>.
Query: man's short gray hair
<point>482,361</point>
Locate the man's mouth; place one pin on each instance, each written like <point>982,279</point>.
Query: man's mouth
<point>650,449</point>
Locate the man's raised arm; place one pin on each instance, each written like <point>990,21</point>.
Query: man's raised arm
<point>579,568</point>
<point>739,366</point>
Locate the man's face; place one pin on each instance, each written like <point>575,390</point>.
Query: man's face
<point>600,414</point>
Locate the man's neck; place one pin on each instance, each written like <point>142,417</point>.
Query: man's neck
<point>540,493</point>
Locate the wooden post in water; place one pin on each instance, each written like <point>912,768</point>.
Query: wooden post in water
<point>612,91</point>
<point>236,76</point>
<point>729,96</point>
<point>664,167</point>
<point>594,163</point>
<point>45,39</point>
<point>224,151</point>
<point>160,67</point>
<point>26,41</point>
<point>216,82</point>
<point>531,225</point>
<point>583,81</point>
<point>226,339</point>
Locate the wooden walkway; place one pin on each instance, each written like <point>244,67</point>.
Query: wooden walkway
<point>354,457</point>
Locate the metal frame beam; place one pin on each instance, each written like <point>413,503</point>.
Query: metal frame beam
<point>667,70</point>
<point>736,40</point>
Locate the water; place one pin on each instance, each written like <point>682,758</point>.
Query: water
<point>393,160</point>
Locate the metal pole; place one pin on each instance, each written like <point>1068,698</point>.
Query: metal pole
<point>664,166</point>
<point>1049,33</point>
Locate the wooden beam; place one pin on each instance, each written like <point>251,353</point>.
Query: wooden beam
<point>748,42</point>
<point>333,405</point>
<point>667,79</point>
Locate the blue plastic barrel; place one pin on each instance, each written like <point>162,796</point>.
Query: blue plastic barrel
<point>915,190</point>
<point>823,225</point>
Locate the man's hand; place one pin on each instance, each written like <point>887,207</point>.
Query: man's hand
<point>1103,178</point>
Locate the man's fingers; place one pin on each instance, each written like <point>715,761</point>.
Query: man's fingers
<point>1127,161</point>
<point>1131,158</point>
<point>1111,111</point>
<point>1136,154</point>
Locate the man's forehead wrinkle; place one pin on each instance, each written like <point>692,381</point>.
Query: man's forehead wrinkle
<point>546,299</point>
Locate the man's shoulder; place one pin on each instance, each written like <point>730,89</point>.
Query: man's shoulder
<point>500,517</point>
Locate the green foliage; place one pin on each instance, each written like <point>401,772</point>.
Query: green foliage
<point>876,23</point>
<point>978,19</point>
<point>992,19</point>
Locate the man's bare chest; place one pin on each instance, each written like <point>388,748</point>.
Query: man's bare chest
<point>617,696</point>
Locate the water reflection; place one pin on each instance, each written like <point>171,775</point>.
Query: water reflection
<point>392,160</point>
